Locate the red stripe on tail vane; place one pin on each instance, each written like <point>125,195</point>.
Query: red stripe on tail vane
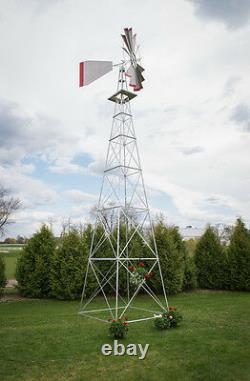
<point>81,74</point>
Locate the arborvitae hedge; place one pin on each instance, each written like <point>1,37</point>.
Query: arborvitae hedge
<point>33,266</point>
<point>44,270</point>
<point>239,257</point>
<point>190,276</point>
<point>171,252</point>
<point>68,267</point>
<point>210,260</point>
<point>2,275</point>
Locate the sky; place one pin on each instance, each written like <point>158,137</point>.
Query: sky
<point>192,118</point>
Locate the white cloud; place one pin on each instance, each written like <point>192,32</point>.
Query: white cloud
<point>65,168</point>
<point>32,193</point>
<point>193,145</point>
<point>234,13</point>
<point>78,196</point>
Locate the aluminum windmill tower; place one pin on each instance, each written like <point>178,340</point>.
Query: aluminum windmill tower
<point>122,213</point>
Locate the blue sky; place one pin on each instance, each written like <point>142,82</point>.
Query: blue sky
<point>192,118</point>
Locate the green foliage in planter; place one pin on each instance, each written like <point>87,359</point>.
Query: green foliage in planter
<point>239,257</point>
<point>118,329</point>
<point>162,323</point>
<point>210,260</point>
<point>68,267</point>
<point>174,316</point>
<point>2,275</point>
<point>170,319</point>
<point>171,252</point>
<point>33,266</point>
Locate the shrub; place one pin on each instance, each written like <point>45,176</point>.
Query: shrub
<point>171,252</point>
<point>33,266</point>
<point>210,260</point>
<point>105,250</point>
<point>118,328</point>
<point>190,245</point>
<point>67,267</point>
<point>190,277</point>
<point>2,275</point>
<point>239,257</point>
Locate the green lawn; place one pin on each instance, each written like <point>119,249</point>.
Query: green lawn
<point>10,259</point>
<point>47,340</point>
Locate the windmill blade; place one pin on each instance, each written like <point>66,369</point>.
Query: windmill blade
<point>89,71</point>
<point>129,37</point>
<point>129,40</point>
<point>126,43</point>
<point>134,42</point>
<point>136,77</point>
<point>135,70</point>
<point>125,50</point>
<point>140,68</point>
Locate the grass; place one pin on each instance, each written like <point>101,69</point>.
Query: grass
<point>46,340</point>
<point>10,259</point>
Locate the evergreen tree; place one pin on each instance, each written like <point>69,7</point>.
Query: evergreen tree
<point>136,248</point>
<point>2,275</point>
<point>190,277</point>
<point>33,266</point>
<point>171,253</point>
<point>210,261</point>
<point>100,267</point>
<point>239,257</point>
<point>68,266</point>
<point>87,236</point>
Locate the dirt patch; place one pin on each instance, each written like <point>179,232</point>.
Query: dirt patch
<point>11,293</point>
<point>11,283</point>
<point>13,298</point>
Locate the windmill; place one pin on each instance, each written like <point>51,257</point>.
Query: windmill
<point>123,255</point>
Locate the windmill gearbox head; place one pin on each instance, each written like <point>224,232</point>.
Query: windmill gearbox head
<point>89,71</point>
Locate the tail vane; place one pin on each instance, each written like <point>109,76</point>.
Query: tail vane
<point>89,71</point>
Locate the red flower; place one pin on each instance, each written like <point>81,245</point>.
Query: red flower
<point>125,323</point>
<point>113,321</point>
<point>172,309</point>
<point>141,264</point>
<point>131,268</point>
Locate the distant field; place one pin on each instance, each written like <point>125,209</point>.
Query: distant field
<point>10,258</point>
<point>15,246</point>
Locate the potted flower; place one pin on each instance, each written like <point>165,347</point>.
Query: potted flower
<point>168,319</point>
<point>139,273</point>
<point>118,328</point>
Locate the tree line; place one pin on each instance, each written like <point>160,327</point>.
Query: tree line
<point>51,268</point>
